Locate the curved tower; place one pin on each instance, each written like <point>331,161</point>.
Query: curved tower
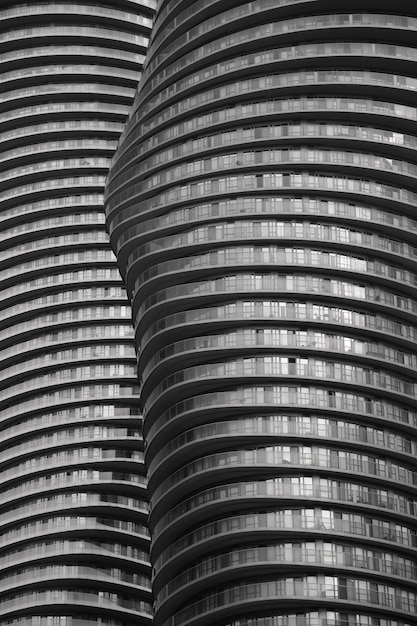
<point>263,209</point>
<point>73,533</point>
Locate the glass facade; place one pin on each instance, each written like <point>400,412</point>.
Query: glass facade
<point>74,540</point>
<point>262,208</point>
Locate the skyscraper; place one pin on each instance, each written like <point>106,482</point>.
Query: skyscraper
<point>74,542</point>
<point>262,206</point>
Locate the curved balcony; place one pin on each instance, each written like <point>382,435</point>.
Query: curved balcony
<point>360,111</point>
<point>261,205</point>
<point>372,532</point>
<point>319,591</point>
<point>71,431</point>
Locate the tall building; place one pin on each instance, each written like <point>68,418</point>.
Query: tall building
<point>74,543</point>
<point>263,209</point>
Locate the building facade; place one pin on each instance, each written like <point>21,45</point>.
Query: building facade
<point>262,206</point>
<point>74,542</point>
